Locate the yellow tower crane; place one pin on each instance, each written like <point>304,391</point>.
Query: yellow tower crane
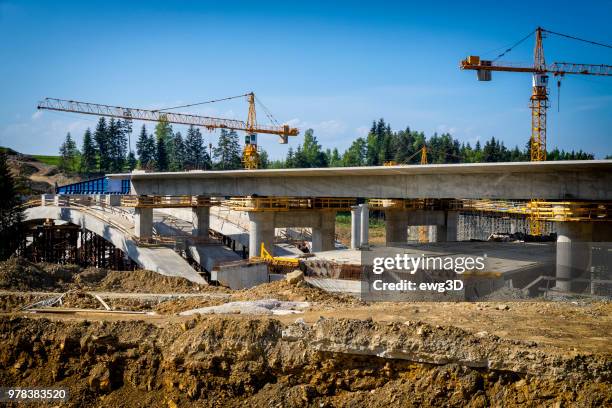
<point>539,96</point>
<point>250,154</point>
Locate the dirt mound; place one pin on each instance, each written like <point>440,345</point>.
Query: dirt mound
<point>90,276</point>
<point>216,361</point>
<point>18,274</point>
<point>280,290</point>
<point>80,300</point>
<point>301,292</point>
<point>143,281</point>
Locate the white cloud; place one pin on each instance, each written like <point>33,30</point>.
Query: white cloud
<point>36,115</point>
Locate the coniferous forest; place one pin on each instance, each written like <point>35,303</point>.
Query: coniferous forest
<point>105,150</point>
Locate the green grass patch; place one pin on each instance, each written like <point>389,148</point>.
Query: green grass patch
<point>50,160</point>
<point>344,218</point>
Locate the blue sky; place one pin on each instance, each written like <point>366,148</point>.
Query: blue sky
<point>334,66</point>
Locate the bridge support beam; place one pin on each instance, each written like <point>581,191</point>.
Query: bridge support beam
<point>261,229</point>
<point>143,222</point>
<point>324,235</point>
<point>200,218</point>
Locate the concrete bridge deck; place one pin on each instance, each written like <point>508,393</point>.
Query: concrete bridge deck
<point>559,180</point>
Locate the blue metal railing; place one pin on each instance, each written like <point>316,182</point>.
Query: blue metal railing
<point>98,185</point>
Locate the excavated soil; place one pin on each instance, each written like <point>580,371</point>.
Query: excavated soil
<point>279,290</point>
<point>340,352</point>
<point>20,275</point>
<point>259,362</point>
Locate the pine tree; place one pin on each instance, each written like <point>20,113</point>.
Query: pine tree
<point>227,151</point>
<point>196,155</point>
<point>177,155</point>
<point>163,134</point>
<point>68,154</point>
<point>11,214</point>
<point>117,144</point>
<point>131,161</point>
<point>102,144</point>
<point>145,147</point>
<point>264,161</point>
<point>88,155</point>
<point>161,155</point>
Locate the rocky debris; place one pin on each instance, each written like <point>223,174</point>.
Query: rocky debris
<point>255,307</point>
<point>232,361</point>
<point>295,277</point>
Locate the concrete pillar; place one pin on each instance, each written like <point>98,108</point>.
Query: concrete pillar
<point>573,253</point>
<point>324,235</point>
<point>365,226</point>
<point>396,226</point>
<point>261,229</point>
<point>355,227</point>
<point>143,222</point>
<point>513,225</point>
<point>44,198</point>
<point>200,219</point>
<point>448,231</point>
<point>113,200</point>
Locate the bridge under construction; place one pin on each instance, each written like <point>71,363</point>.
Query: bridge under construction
<point>192,223</point>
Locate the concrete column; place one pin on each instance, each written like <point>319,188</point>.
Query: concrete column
<point>143,222</point>
<point>324,236</point>
<point>573,253</point>
<point>261,229</point>
<point>113,200</point>
<point>355,227</point>
<point>365,226</point>
<point>45,197</point>
<point>448,231</point>
<point>200,219</point>
<point>513,225</point>
<point>396,226</point>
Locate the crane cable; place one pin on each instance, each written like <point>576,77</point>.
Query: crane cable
<point>514,46</point>
<point>267,112</point>
<point>201,103</point>
<point>578,39</point>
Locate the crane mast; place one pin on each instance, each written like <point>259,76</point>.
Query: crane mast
<point>538,101</point>
<point>250,156</point>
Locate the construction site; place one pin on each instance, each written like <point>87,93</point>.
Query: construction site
<point>242,287</point>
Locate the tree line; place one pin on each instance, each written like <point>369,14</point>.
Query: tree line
<point>383,145</point>
<point>106,150</point>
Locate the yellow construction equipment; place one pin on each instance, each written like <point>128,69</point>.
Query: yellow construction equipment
<point>250,155</point>
<point>276,261</point>
<point>539,96</point>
